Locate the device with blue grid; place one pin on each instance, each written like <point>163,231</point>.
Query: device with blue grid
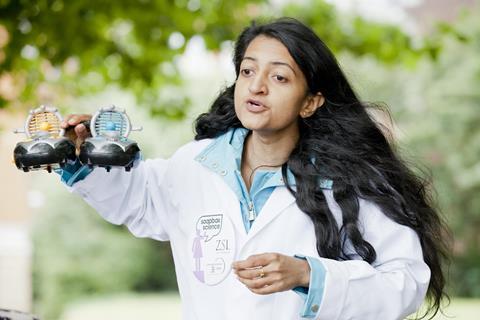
<point>46,146</point>
<point>109,145</point>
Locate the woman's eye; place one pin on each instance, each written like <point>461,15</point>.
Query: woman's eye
<point>280,78</point>
<point>246,72</point>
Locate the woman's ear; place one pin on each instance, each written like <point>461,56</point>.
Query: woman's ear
<point>312,103</point>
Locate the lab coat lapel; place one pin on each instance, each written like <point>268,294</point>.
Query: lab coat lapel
<point>230,200</point>
<point>278,201</point>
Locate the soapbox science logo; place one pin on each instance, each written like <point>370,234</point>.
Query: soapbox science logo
<point>212,248</point>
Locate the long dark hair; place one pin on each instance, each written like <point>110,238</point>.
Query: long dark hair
<point>349,148</point>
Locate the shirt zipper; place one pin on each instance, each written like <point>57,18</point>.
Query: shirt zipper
<point>251,211</point>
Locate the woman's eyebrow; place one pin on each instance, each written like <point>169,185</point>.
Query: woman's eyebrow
<point>272,62</point>
<point>280,63</point>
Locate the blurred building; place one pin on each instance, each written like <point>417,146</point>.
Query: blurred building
<point>15,244</point>
<point>415,17</point>
<point>428,12</point>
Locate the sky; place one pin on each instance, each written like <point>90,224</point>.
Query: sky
<point>391,11</point>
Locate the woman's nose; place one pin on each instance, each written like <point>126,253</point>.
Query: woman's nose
<point>258,85</point>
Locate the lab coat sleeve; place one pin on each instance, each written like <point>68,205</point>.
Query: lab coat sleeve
<point>139,199</point>
<point>312,296</point>
<point>392,287</point>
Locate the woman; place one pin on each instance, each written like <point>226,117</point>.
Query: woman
<point>291,193</point>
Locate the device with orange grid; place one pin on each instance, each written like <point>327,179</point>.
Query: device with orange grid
<point>46,147</point>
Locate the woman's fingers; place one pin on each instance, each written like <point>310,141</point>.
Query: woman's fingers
<point>266,285</point>
<point>255,260</point>
<point>75,128</point>
<point>253,273</point>
<point>81,131</point>
<point>267,289</point>
<point>255,283</point>
<point>272,272</point>
<point>73,120</point>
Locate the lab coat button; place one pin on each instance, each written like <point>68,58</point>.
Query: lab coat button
<point>223,172</point>
<point>315,308</point>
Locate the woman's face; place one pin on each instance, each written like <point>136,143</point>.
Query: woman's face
<point>271,91</point>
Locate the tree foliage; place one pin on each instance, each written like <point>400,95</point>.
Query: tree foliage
<point>78,47</point>
<point>77,253</point>
<point>436,107</point>
<point>450,140</point>
<point>55,50</point>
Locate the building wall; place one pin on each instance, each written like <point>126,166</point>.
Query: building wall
<point>15,243</point>
<point>429,12</point>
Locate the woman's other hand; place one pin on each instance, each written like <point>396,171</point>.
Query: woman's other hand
<point>268,273</point>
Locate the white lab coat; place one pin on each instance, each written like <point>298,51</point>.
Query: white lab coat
<point>170,199</point>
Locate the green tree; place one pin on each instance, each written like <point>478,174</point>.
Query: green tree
<point>449,140</point>
<point>436,110</point>
<point>77,253</point>
<point>75,48</point>
<point>54,50</point>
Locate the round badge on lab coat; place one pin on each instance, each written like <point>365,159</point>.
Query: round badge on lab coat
<point>213,248</point>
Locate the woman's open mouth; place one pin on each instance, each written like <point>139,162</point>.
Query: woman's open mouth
<point>255,106</point>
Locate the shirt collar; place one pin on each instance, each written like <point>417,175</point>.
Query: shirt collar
<point>223,156</point>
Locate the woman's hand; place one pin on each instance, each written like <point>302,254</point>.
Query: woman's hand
<point>75,129</point>
<point>272,272</point>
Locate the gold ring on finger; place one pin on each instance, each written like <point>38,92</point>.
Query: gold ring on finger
<point>262,273</point>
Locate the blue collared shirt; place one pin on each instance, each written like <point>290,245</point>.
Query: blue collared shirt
<point>224,155</point>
